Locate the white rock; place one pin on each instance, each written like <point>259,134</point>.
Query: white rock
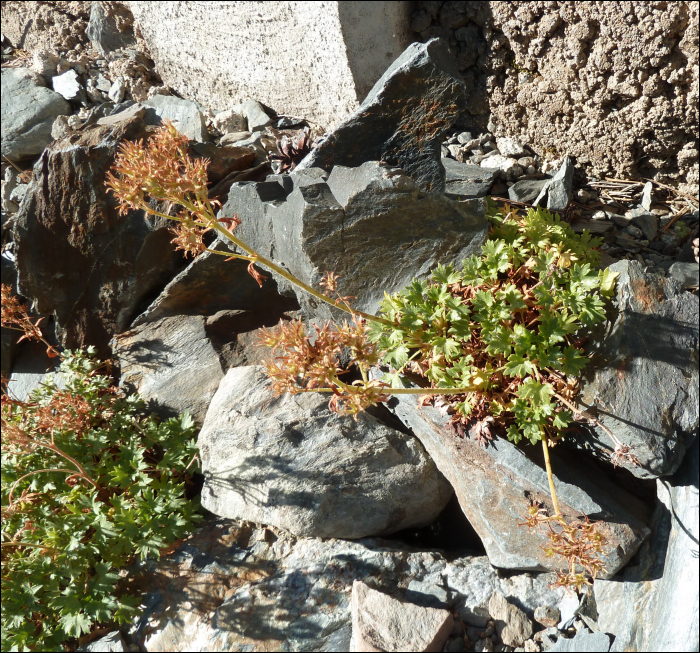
<point>510,147</point>
<point>117,90</point>
<point>67,85</point>
<point>230,121</point>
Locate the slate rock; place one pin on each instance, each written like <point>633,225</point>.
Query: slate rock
<point>592,226</point>
<point>76,256</point>
<point>290,462</point>
<point>559,188</point>
<point>526,190</point>
<point>210,284</point>
<point>240,586</point>
<point>648,223</point>
<point>404,118</point>
<point>184,114</point>
<point>583,642</point>
<point>117,90</point>
<point>512,625</point>
<point>28,112</point>
<point>464,181</point>
<point>653,606</point>
<point>368,224</point>
<point>491,485</point>
<point>643,379</point>
<point>9,337</point>
<point>68,85</point>
<point>687,274</point>
<point>383,623</point>
<point>255,115</point>
<point>110,30</point>
<point>223,160</point>
<point>31,369</point>
<point>172,364</point>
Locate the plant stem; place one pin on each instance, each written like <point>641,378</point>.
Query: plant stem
<point>588,418</point>
<point>550,477</point>
<point>38,471</point>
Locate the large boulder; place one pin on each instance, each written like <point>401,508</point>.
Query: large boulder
<point>172,364</point>
<point>290,462</point>
<point>239,586</point>
<point>76,256</point>
<point>404,118</point>
<point>643,382</point>
<point>28,112</point>
<point>370,224</point>
<point>494,486</point>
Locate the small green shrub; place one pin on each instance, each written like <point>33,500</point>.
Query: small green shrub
<point>87,484</point>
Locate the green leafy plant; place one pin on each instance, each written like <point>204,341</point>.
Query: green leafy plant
<point>500,339</point>
<point>88,483</point>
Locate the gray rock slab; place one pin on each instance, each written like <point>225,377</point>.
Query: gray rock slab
<point>368,224</point>
<point>290,462</point>
<point>592,226</point>
<point>653,606</point>
<point>28,112</point>
<point>76,256</point>
<point>184,114</point>
<point>492,484</point>
<point>643,378</point>
<point>404,118</point>
<point>210,284</point>
<point>67,85</point>
<point>559,189</point>
<point>687,274</point>
<point>526,190</point>
<point>383,623</point>
<point>255,115</point>
<point>110,30</point>
<point>172,364</point>
<point>464,181</point>
<point>240,586</point>
<point>108,643</point>
<point>583,642</point>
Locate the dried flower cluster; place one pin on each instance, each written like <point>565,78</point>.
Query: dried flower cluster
<point>15,317</point>
<point>579,542</point>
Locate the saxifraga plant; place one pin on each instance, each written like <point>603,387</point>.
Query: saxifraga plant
<point>498,340</point>
<point>88,483</point>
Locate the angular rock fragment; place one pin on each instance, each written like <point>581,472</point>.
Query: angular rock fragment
<point>290,462</point>
<point>110,28</point>
<point>404,118</point>
<point>368,224</point>
<point>494,486</point>
<point>464,181</point>
<point>583,642</point>
<point>383,623</point>
<point>559,188</point>
<point>643,379</point>
<point>76,256</point>
<point>28,112</point>
<point>512,625</point>
<point>172,364</point>
<point>68,85</point>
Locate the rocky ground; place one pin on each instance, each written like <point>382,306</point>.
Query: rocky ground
<point>297,496</point>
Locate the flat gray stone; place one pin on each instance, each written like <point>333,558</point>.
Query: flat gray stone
<point>464,181</point>
<point>290,462</point>
<point>583,642</point>
<point>404,118</point>
<point>526,190</point>
<point>512,625</point>
<point>110,31</point>
<point>28,112</point>
<point>648,223</point>
<point>172,364</point>
<point>184,114</point>
<point>491,485</point>
<point>643,379</point>
<point>109,643</point>
<point>255,115</point>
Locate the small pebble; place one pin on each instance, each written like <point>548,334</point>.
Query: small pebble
<point>635,232</point>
